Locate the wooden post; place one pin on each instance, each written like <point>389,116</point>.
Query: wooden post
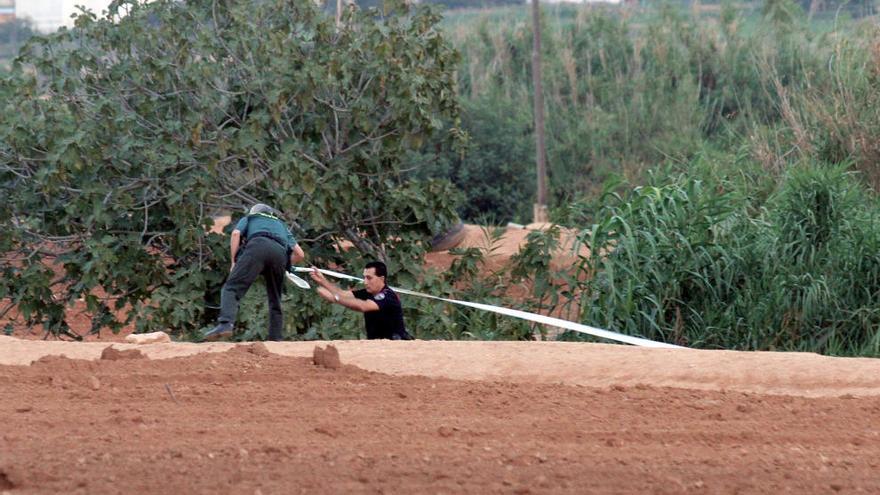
<point>540,207</point>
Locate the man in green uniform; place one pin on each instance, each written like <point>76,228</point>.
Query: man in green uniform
<point>261,244</point>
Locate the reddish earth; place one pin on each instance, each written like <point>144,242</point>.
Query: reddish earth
<point>433,417</point>
<point>497,252</point>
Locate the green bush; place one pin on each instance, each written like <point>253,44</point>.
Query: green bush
<point>122,137</point>
<point>692,260</point>
<point>625,91</point>
<point>497,171</point>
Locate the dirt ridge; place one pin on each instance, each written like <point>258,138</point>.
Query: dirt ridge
<point>584,364</point>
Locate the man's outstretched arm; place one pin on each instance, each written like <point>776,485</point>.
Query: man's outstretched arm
<point>330,292</point>
<point>234,243</point>
<point>297,254</point>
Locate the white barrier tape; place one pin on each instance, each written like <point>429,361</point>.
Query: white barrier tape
<point>302,284</point>
<point>525,315</point>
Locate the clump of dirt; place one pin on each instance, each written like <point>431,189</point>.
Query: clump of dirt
<point>94,383</point>
<point>318,356</point>
<point>257,349</point>
<point>331,358</point>
<point>64,364</point>
<point>110,353</point>
<point>51,360</point>
<point>328,358</point>
<point>6,482</point>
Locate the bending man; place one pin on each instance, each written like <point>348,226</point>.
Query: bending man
<point>261,244</point>
<point>383,315</point>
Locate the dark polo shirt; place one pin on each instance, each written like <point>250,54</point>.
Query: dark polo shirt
<point>387,323</point>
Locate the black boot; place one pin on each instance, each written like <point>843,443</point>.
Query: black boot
<point>218,332</point>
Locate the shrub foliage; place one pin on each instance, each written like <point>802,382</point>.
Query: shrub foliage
<point>122,137</point>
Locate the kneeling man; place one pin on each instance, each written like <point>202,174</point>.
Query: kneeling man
<point>383,315</point>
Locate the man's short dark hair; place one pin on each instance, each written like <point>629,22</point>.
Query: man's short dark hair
<point>381,269</point>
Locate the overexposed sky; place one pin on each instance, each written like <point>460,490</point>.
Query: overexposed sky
<point>49,15</point>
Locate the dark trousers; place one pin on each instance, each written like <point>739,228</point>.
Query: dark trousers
<point>261,256</point>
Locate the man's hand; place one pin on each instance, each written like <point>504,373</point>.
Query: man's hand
<point>318,277</point>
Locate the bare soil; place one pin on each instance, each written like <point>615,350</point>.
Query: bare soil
<point>429,416</point>
<point>433,417</point>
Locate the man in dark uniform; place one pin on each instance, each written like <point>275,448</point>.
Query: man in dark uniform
<point>261,244</point>
<point>383,315</point>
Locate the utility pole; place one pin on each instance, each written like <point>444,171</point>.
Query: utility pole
<point>338,13</point>
<point>540,207</point>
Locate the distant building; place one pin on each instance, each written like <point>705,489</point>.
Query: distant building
<point>49,15</point>
<point>7,11</point>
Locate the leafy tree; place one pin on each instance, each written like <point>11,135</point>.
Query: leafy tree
<point>475,4</point>
<point>122,137</point>
<point>497,173</point>
<point>448,4</point>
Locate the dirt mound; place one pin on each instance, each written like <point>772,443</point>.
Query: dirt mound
<point>498,252</point>
<point>112,354</point>
<point>245,421</point>
<point>577,364</point>
<point>54,360</point>
<point>257,349</point>
<point>6,481</point>
<point>328,358</point>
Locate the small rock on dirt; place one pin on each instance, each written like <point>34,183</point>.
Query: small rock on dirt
<point>318,356</point>
<point>257,349</point>
<point>148,338</point>
<point>330,432</point>
<point>331,358</point>
<point>50,359</point>
<point>7,481</point>
<point>110,353</point>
